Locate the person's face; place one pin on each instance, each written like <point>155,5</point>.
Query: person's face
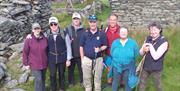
<point>154,32</point>
<point>36,31</point>
<point>112,21</point>
<point>54,27</point>
<point>123,33</point>
<point>93,25</point>
<point>76,21</point>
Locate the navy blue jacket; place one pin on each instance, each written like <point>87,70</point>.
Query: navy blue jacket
<point>150,64</point>
<point>57,49</point>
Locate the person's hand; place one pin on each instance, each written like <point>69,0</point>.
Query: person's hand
<point>97,49</point>
<point>27,67</point>
<point>29,36</point>
<point>146,47</point>
<point>68,63</point>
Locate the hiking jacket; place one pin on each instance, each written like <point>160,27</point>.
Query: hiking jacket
<point>57,49</point>
<point>35,52</point>
<point>74,36</point>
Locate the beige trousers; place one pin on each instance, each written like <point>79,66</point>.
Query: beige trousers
<point>88,72</point>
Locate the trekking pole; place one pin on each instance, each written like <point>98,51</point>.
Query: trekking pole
<point>140,72</point>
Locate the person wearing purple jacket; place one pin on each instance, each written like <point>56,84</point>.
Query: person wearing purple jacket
<point>35,56</point>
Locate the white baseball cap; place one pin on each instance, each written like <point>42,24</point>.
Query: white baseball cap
<point>76,15</point>
<point>53,20</point>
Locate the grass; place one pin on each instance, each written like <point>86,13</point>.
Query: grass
<point>56,5</point>
<point>171,73</point>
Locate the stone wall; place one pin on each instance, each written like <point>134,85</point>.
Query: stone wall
<point>141,12</point>
<point>16,17</point>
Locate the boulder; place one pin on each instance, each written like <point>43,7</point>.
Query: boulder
<point>2,73</point>
<point>17,47</point>
<point>3,59</point>
<point>17,89</point>
<point>11,84</point>
<point>24,77</point>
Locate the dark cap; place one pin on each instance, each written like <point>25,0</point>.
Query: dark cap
<point>92,18</point>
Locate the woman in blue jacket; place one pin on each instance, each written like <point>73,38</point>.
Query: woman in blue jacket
<point>124,52</point>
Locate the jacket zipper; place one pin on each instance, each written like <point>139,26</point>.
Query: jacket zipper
<point>55,50</point>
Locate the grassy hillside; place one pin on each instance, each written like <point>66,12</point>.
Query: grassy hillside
<point>171,73</point>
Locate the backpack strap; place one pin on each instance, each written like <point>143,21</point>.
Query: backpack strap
<point>106,29</point>
<point>62,33</point>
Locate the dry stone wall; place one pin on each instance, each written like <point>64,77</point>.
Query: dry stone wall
<point>141,12</point>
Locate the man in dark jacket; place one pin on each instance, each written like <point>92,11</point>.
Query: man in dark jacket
<point>74,31</point>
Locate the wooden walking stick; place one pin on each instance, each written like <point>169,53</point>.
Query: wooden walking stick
<point>139,70</point>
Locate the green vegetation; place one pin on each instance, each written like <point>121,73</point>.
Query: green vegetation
<point>75,5</point>
<point>171,73</point>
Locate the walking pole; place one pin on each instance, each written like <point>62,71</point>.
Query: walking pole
<point>141,68</point>
<point>93,69</point>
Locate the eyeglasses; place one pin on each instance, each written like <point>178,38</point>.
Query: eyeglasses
<point>51,24</point>
<point>92,21</point>
<point>76,18</point>
<point>37,28</point>
<point>92,17</point>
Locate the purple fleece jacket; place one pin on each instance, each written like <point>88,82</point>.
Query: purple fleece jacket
<point>35,52</point>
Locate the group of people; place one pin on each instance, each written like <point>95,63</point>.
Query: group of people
<point>92,49</point>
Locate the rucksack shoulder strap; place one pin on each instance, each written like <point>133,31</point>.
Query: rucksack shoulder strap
<point>106,29</point>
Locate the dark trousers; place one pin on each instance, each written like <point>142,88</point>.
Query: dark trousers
<point>60,67</point>
<point>156,78</point>
<point>39,82</point>
<point>71,68</point>
<point>116,78</point>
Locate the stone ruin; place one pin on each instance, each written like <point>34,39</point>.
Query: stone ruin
<point>16,17</point>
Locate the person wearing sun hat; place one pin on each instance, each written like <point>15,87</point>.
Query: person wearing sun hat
<point>92,43</point>
<point>36,60</point>
<point>74,31</point>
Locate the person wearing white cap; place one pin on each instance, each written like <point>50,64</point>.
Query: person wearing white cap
<point>74,31</point>
<point>57,53</point>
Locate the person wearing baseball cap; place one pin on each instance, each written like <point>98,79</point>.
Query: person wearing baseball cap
<point>92,43</point>
<point>74,31</point>
<point>53,20</point>
<point>35,56</point>
<point>57,54</point>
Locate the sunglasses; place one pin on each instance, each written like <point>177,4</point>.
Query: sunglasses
<point>76,18</point>
<point>92,17</point>
<point>92,21</point>
<point>55,24</point>
<point>37,28</point>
